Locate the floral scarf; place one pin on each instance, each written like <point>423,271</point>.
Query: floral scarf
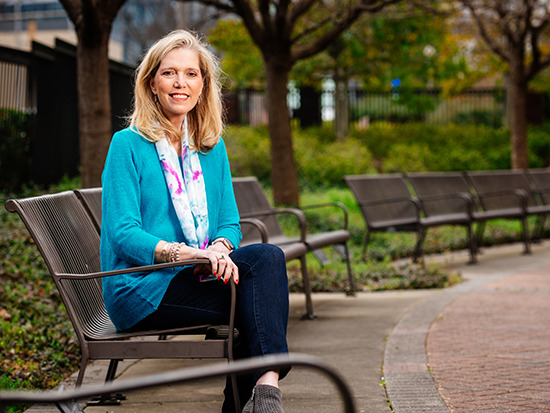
<point>187,189</point>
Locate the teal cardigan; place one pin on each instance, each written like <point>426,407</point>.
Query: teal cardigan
<point>138,213</point>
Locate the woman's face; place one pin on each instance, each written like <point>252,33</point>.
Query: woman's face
<point>178,84</point>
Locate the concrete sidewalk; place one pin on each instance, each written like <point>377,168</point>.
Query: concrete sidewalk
<point>436,350</point>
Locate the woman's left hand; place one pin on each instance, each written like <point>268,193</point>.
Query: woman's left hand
<point>221,264</point>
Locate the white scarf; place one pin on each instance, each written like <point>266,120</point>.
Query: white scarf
<point>187,190</point>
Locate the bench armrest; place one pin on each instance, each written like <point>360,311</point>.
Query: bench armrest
<point>331,204</point>
<point>292,211</point>
<point>259,226</point>
<point>132,270</point>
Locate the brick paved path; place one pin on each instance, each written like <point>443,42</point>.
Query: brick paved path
<point>489,351</point>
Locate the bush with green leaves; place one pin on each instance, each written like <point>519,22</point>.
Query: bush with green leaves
<point>321,160</point>
<point>15,147</point>
<point>37,344</point>
<point>491,118</point>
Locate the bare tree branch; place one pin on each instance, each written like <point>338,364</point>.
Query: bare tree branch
<point>323,41</point>
<point>312,29</point>
<point>266,18</point>
<point>299,9</point>
<point>493,45</point>
<point>217,4</point>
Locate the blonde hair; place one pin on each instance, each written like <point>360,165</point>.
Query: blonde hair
<point>204,121</point>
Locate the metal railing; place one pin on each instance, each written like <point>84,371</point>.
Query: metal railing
<point>65,400</point>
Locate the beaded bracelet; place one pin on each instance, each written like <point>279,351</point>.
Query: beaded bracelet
<point>163,252</point>
<point>174,255</point>
<point>171,253</point>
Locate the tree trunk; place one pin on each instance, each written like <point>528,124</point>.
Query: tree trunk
<point>94,106</point>
<point>284,177</point>
<point>517,99</point>
<point>341,107</point>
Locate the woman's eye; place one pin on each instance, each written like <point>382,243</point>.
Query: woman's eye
<point>168,73</point>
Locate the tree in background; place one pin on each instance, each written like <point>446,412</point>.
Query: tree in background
<point>516,31</point>
<point>242,61</point>
<point>93,21</point>
<point>286,32</point>
<point>406,44</point>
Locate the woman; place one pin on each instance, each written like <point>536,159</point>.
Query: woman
<point>168,196</point>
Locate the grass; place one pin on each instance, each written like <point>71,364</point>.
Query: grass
<point>37,346</point>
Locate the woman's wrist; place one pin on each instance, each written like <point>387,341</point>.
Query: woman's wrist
<point>225,242</point>
<point>173,252</point>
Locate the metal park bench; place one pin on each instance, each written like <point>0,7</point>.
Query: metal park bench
<point>252,202</point>
<point>91,199</point>
<point>387,206</point>
<point>509,193</point>
<point>541,181</point>
<point>69,244</point>
<point>66,401</point>
<point>446,199</point>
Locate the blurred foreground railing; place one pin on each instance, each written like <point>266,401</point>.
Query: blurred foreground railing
<point>65,400</point>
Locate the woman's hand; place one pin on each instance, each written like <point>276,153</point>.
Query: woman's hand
<point>221,264</point>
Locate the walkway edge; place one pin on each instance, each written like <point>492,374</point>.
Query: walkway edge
<point>409,384</point>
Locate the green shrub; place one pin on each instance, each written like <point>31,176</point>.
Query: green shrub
<point>416,147</point>
<point>37,344</point>
<point>321,160</point>
<point>384,148</point>
<point>323,164</point>
<point>248,150</point>
<point>15,146</point>
<point>539,146</point>
<point>490,118</point>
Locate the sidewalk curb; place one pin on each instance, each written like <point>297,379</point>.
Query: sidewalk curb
<point>409,384</point>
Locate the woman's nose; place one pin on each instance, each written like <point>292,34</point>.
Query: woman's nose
<point>180,81</point>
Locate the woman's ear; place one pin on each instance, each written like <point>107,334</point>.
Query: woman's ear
<point>152,86</point>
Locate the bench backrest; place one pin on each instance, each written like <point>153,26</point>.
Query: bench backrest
<point>251,198</point>
<point>490,181</point>
<point>69,244</point>
<point>431,189</point>
<point>91,199</point>
<point>372,192</point>
<point>541,179</point>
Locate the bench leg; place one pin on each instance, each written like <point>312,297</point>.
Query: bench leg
<point>351,291</point>
<point>83,364</point>
<point>472,245</point>
<point>365,245</point>
<point>108,399</point>
<point>419,250</point>
<point>310,315</point>
<point>539,229</point>
<point>525,230</point>
<point>479,234</point>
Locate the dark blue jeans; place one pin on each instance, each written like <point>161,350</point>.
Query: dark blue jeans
<point>262,308</point>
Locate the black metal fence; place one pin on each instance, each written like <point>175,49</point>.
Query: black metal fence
<point>39,139</point>
<point>485,106</point>
<point>17,116</point>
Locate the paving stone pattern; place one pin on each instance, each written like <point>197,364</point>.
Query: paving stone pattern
<point>490,350</point>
